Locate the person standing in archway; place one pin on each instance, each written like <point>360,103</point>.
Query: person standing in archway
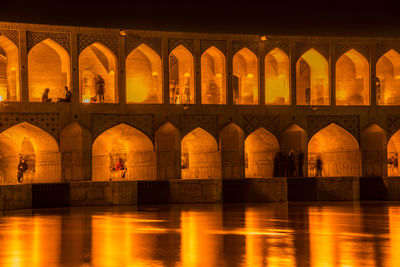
<point>318,165</point>
<point>22,168</point>
<point>100,83</point>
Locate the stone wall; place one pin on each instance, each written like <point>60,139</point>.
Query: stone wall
<point>15,197</point>
<point>195,191</point>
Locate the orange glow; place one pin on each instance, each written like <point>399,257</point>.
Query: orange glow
<point>373,147</point>
<point>277,90</point>
<point>393,150</point>
<point>388,83</point>
<point>245,71</point>
<point>213,77</point>
<point>231,143</point>
<point>9,71</point>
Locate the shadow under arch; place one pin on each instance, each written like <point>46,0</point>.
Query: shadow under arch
<point>245,79</point>
<point>48,67</point>
<point>75,147</point>
<point>231,145</point>
<point>39,149</point>
<point>129,144</point>
<point>374,151</point>
<point>295,138</point>
<point>9,71</point>
<point>339,151</point>
<point>388,83</point>
<point>213,76</point>
<point>277,81</point>
<point>97,64</point>
<point>144,76</point>
<point>168,149</point>
<point>200,156</point>
<point>261,147</point>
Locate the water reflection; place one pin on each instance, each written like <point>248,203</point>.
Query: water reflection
<point>276,234</point>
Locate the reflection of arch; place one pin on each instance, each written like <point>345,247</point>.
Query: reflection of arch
<point>393,150</point>
<point>245,69</point>
<point>129,144</point>
<point>48,67</point>
<point>75,148</point>
<point>312,79</point>
<point>352,79</point>
<point>95,62</point>
<point>338,149</point>
<point>143,76</point>
<point>181,76</point>
<point>231,144</point>
<point>373,147</point>
<point>9,71</point>
<point>200,155</point>
<point>260,148</point>
<point>213,77</point>
<point>168,147</point>
<point>388,73</point>
<point>277,90</point>
<point>40,149</point>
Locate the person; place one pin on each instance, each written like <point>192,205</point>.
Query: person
<point>318,165</point>
<point>45,96</point>
<point>67,95</point>
<point>300,163</point>
<point>22,168</point>
<point>213,93</point>
<point>100,88</point>
<point>291,163</point>
<point>119,166</point>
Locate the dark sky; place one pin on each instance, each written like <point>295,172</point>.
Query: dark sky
<point>344,18</point>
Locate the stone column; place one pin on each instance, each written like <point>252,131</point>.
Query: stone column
<point>261,76</point>
<point>292,60</point>
<point>229,76</point>
<point>165,62</point>
<point>197,62</point>
<point>23,57</point>
<point>332,71</point>
<point>372,68</point>
<point>122,71</point>
<point>76,92</point>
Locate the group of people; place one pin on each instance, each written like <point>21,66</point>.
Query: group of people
<point>292,165</point>
<point>67,95</point>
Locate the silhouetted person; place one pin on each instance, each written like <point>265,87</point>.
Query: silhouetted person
<point>45,96</point>
<point>22,168</point>
<point>291,164</point>
<point>100,88</point>
<point>67,95</point>
<point>318,166</point>
<point>300,163</point>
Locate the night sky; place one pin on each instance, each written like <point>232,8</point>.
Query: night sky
<point>334,18</point>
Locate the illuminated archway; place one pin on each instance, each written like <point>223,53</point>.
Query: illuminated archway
<point>373,147</point>
<point>393,150</point>
<point>260,149</point>
<point>168,147</point>
<point>295,138</point>
<point>200,156</point>
<point>143,76</point>
<point>231,144</point>
<point>98,65</point>
<point>312,79</point>
<point>352,79</point>
<point>9,70</point>
<point>338,150</point>
<point>48,67</point>
<point>245,83</point>
<point>388,79</point>
<point>37,147</point>
<point>75,146</point>
<point>213,77</point>
<point>181,76</point>
<point>277,89</point>
<point>130,145</point>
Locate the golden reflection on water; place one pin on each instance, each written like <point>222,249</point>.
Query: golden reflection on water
<point>279,234</point>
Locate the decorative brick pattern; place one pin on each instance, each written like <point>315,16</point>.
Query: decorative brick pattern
<point>340,49</point>
<point>349,122</point>
<point>251,45</point>
<point>268,122</point>
<point>208,123</point>
<point>110,41</point>
<point>220,44</point>
<point>302,47</point>
<point>187,43</point>
<point>133,42</point>
<point>271,45</point>
<point>61,38</point>
<point>393,124</point>
<point>12,35</point>
<point>383,48</point>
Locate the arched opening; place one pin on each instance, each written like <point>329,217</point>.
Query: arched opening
<point>294,139</point>
<point>9,71</point>
<point>98,78</point>
<point>181,76</point>
<point>144,76</point>
<point>38,148</point>
<point>352,79</point>
<point>388,79</point>
<point>312,79</point>
<point>373,147</point>
<point>200,156</point>
<point>125,144</point>
<point>168,147</point>
<point>231,144</point>
<point>277,87</point>
<point>393,149</point>
<point>261,147</point>
<point>75,145</point>
<point>48,67</point>
<point>213,77</point>
<point>245,79</point>
<point>338,150</point>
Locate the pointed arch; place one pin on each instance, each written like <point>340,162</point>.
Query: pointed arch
<point>130,145</point>
<point>75,147</point>
<point>245,71</point>
<point>352,79</point>
<point>373,147</point>
<point>200,155</point>
<point>388,79</point>
<point>277,82</point>
<point>231,144</point>
<point>181,76</point>
<point>312,79</point>
<point>144,76</point>
<point>338,150</point>
<point>213,77</point>
<point>260,149</point>
<point>96,63</point>
<point>9,71</point>
<point>48,67</point>
<point>168,147</point>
